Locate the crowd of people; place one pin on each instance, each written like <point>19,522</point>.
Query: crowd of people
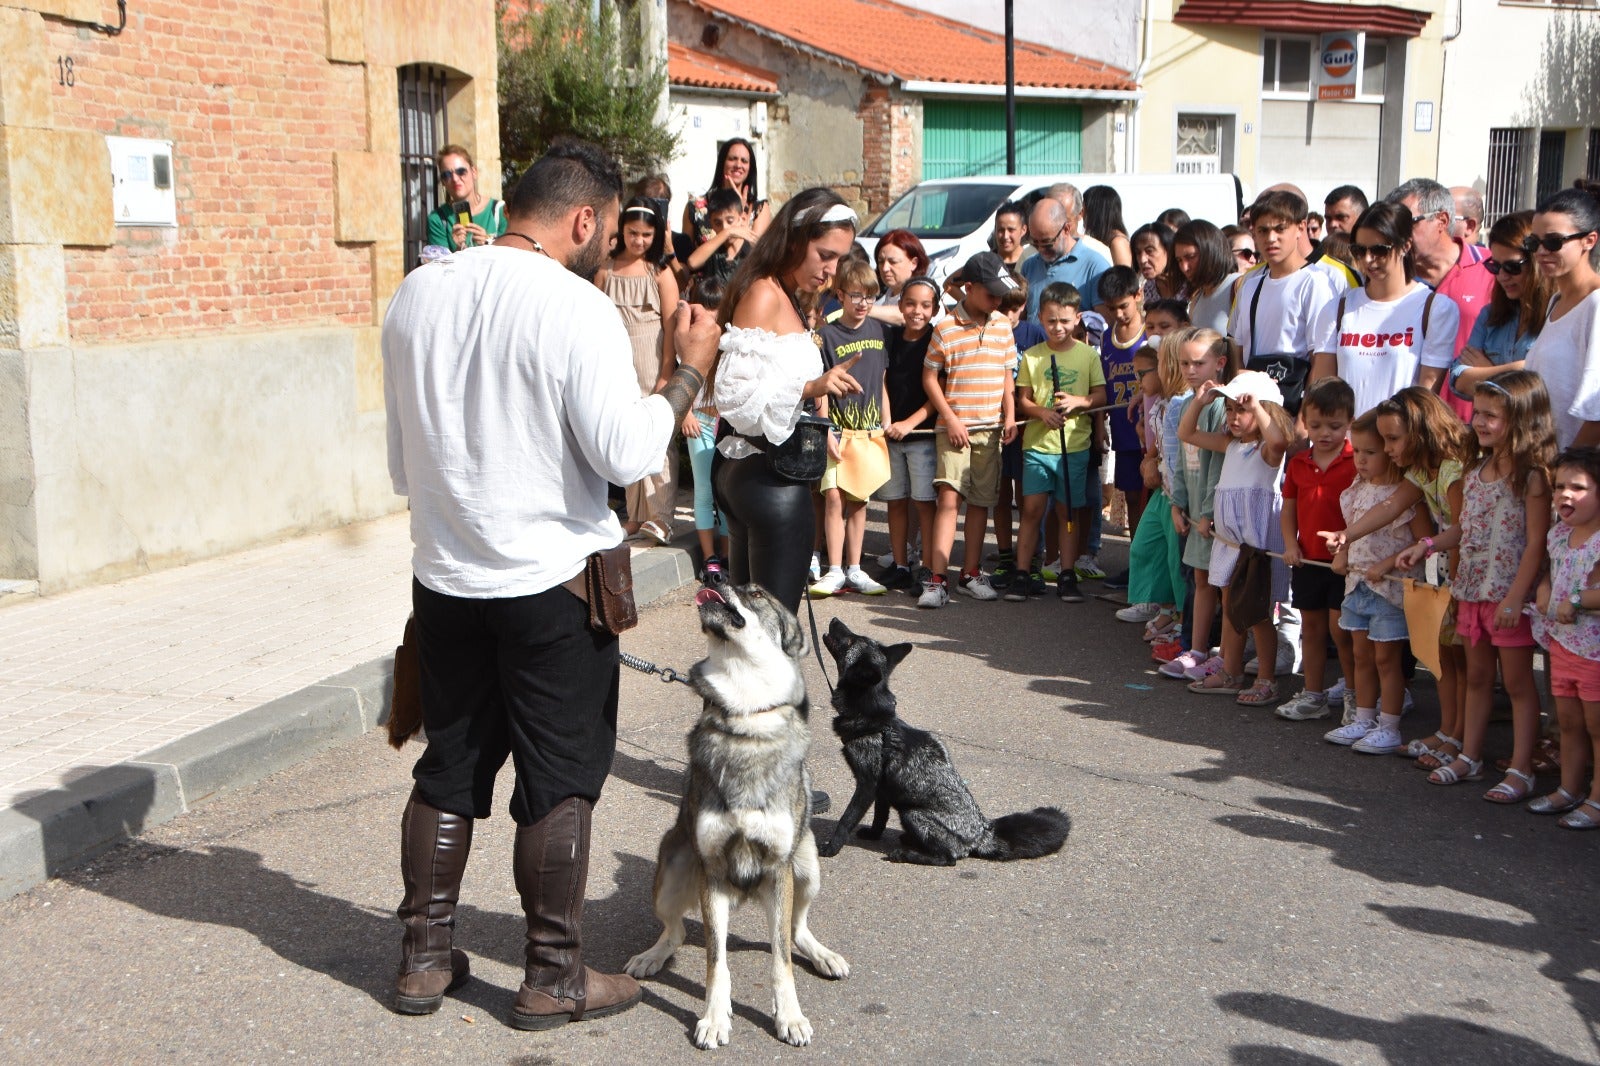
<point>1293,410</point>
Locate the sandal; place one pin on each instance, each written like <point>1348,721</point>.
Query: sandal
<point>1420,747</point>
<point>1508,791</point>
<point>1434,758</point>
<point>1460,769</point>
<point>1546,758</point>
<point>653,530</point>
<point>1220,683</point>
<point>1259,694</point>
<point>1558,802</point>
<point>1579,818</point>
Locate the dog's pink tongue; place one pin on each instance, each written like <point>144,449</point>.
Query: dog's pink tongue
<point>705,596</point>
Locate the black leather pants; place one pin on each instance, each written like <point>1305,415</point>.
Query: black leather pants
<point>771,526</point>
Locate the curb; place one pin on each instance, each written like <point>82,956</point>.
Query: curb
<point>101,807</point>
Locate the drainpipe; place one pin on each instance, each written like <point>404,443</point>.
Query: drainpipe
<point>1444,78</point>
<point>1131,152</point>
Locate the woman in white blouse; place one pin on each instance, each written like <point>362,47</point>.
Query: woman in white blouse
<point>769,367</point>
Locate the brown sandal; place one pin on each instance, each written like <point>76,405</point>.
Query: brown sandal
<point>1220,683</point>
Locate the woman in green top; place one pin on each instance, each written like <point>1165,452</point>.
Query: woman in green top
<point>459,176</point>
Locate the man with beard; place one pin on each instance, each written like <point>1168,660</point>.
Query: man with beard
<point>511,402</point>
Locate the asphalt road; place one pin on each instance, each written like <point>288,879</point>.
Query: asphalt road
<point>1234,890</point>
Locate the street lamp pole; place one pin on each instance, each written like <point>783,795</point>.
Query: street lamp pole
<point>1011,89</point>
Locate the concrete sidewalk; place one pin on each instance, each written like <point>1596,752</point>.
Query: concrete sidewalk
<point>124,705</point>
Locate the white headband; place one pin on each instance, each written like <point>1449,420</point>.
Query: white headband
<point>836,213</point>
<point>640,210</point>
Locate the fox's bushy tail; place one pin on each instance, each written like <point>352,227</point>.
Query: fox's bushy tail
<point>1028,834</point>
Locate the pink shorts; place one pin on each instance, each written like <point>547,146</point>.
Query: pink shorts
<point>1573,675</point>
<point>1475,624</point>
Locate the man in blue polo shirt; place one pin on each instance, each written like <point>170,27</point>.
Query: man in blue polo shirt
<point>1059,257</point>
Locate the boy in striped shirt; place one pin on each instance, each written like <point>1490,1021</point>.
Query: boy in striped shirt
<point>969,374</point>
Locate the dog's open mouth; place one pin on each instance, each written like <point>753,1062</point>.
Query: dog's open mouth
<point>708,595</point>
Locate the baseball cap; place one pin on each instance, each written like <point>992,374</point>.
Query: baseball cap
<point>1252,383</point>
<point>988,270</point>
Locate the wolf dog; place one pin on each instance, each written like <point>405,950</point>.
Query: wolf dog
<point>743,830</point>
<point>907,769</point>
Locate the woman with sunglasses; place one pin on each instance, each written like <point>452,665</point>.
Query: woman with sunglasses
<point>1507,328</point>
<point>485,216</point>
<point>1242,246</point>
<point>1562,244</point>
<point>1394,331</point>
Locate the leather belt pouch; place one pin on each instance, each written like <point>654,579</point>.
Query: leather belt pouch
<point>606,585</point>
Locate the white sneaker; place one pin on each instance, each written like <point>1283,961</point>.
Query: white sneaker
<point>978,587</point>
<point>1304,707</point>
<point>1336,691</point>
<point>1382,740</point>
<point>829,583</point>
<point>1349,734</point>
<point>1349,707</point>
<point>1088,569</point>
<point>1138,612</point>
<point>816,567</point>
<point>934,595</point>
<point>857,579</point>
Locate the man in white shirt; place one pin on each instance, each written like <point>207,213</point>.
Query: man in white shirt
<point>511,402</point>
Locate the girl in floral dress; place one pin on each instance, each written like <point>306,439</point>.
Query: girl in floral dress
<point>1505,514</point>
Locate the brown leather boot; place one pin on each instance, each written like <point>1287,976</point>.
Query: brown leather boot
<point>433,855</point>
<point>551,863</point>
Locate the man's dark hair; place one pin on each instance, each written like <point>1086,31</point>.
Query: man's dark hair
<point>1119,283</point>
<point>1347,192</point>
<point>1330,396</point>
<point>1062,294</point>
<point>571,174</point>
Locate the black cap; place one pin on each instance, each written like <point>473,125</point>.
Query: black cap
<point>988,270</point>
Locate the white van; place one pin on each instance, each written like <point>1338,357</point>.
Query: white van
<point>953,217</point>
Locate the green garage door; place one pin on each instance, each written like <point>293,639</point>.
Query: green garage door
<point>966,138</point>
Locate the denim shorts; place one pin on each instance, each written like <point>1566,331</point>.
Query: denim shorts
<point>1366,610</point>
<point>911,463</point>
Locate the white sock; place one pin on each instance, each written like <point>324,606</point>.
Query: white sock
<point>1389,721</point>
<point>835,570</point>
<point>1316,692</point>
<point>1366,714</point>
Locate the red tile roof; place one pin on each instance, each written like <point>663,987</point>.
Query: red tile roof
<point>889,39</point>
<point>685,66</point>
<point>1304,16</point>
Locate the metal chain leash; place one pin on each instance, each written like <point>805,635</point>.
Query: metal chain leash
<point>667,673</point>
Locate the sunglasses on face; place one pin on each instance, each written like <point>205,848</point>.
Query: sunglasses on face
<point>1247,254</point>
<point>1376,251</point>
<point>1550,242</point>
<point>1513,267</point>
<point>459,172</point>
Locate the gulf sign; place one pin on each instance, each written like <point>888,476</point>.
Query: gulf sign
<point>1336,67</point>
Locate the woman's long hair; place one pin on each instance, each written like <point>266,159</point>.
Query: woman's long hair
<point>1214,262</point>
<point>1392,222</point>
<point>748,190</point>
<point>1434,433</point>
<point>1530,309</point>
<point>1102,213</point>
<point>643,209</point>
<point>783,247</point>
<point>1530,438</point>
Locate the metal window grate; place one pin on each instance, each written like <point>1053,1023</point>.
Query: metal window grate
<point>423,131</point>
<point>1503,186</point>
<point>1552,161</point>
<point>1591,168</point>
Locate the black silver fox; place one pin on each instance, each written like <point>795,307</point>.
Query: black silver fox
<point>908,769</point>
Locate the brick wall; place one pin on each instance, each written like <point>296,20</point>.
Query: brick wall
<point>255,112</point>
<point>877,146</point>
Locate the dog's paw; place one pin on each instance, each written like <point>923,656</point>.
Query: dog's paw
<point>866,832</point>
<point>794,1029</point>
<point>714,1029</point>
<point>644,964</point>
<point>830,963</point>
<point>831,847</point>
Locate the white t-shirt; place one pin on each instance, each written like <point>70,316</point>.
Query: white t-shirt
<point>1286,315</point>
<point>1381,344</point>
<point>511,398</point>
<point>1567,356</point>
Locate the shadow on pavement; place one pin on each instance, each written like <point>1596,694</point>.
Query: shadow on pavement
<point>1375,816</point>
<point>1412,1038</point>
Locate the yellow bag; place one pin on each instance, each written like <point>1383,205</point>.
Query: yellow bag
<point>863,462</point>
<point>1426,606</point>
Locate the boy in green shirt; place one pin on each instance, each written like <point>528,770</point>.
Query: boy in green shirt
<point>1066,374</point>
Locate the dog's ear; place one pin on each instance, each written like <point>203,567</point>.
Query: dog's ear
<point>894,653</point>
<point>794,638</point>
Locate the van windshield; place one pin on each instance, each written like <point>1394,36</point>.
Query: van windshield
<point>934,210</point>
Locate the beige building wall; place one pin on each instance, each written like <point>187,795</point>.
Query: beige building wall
<point>172,393</point>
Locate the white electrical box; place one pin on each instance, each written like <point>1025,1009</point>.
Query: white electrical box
<point>142,192</point>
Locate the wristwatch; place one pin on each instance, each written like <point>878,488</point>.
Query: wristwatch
<point>1577,600</point>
